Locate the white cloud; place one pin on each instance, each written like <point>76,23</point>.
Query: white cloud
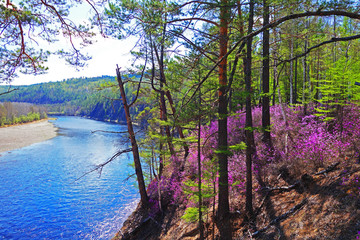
<point>106,53</point>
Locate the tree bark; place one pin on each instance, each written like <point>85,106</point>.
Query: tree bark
<point>163,115</point>
<point>138,170</point>
<point>201,226</point>
<point>178,128</point>
<point>223,221</point>
<point>163,110</point>
<point>266,77</point>
<point>249,134</point>
<point>305,71</point>
<point>296,82</point>
<point>291,71</point>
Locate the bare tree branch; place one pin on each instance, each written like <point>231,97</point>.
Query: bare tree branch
<point>141,78</point>
<point>282,217</point>
<point>100,167</point>
<point>332,40</point>
<point>194,19</point>
<point>9,91</point>
<point>109,131</point>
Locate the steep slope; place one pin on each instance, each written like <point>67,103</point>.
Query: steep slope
<point>306,187</point>
<point>319,206</point>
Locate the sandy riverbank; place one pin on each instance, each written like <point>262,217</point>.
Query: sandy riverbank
<point>19,136</point>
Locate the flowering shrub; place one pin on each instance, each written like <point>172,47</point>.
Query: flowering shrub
<point>297,139</point>
<point>170,190</point>
<point>352,184</point>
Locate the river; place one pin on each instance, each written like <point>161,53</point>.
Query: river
<point>40,197</point>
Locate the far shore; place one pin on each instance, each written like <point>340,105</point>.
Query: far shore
<point>18,136</point>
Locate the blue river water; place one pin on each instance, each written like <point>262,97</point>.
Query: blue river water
<point>41,198</point>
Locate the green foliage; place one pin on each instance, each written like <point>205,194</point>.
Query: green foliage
<point>192,214</point>
<point>90,97</point>
<point>16,113</point>
<point>338,87</point>
<point>27,24</point>
<point>226,152</point>
<point>238,147</point>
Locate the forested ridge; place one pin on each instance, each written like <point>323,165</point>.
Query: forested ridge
<point>88,97</point>
<point>55,92</point>
<point>252,112</point>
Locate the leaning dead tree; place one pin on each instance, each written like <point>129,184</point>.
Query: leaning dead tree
<point>134,145</point>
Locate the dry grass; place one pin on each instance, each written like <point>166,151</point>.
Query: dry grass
<point>331,211</point>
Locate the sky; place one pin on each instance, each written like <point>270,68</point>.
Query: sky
<point>105,53</point>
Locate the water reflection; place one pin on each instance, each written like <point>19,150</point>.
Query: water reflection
<point>39,198</point>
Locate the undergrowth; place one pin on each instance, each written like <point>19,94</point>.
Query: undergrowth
<point>303,142</point>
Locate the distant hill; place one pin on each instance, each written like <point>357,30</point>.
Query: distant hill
<point>90,97</point>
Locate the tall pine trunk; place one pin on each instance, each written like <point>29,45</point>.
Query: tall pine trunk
<point>201,226</point>
<point>305,71</point>
<point>178,128</point>
<point>163,109</point>
<point>223,221</point>
<point>160,55</point>
<point>266,78</point>
<point>296,81</point>
<point>291,71</point>
<point>249,134</point>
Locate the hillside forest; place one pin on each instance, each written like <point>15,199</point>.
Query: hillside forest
<point>252,117</point>
<point>86,97</point>
<point>15,113</point>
